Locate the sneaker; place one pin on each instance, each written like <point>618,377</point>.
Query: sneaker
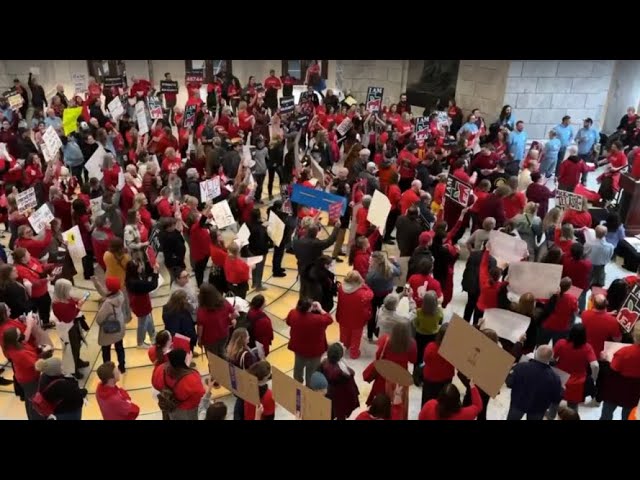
<point>4,381</point>
<point>145,346</point>
<point>280,274</point>
<point>83,364</point>
<point>122,369</point>
<point>338,260</point>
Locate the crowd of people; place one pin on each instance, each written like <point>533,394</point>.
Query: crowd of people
<point>146,209</point>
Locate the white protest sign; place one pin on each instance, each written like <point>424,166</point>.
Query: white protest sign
<point>506,248</point>
<point>222,215</point>
<point>540,279</point>
<point>26,200</point>
<point>141,118</point>
<point>242,237</point>
<point>506,324</point>
<point>344,127</point>
<point>96,207</point>
<point>318,172</point>
<point>73,239</point>
<point>80,84</point>
<point>94,164</point>
<point>275,229</point>
<point>41,218</point>
<point>116,109</point>
<point>52,143</point>
<point>610,348</point>
<point>379,210</point>
<point>209,189</point>
<point>251,261</point>
<point>120,185</point>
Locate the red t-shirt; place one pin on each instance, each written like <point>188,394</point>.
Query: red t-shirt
<point>573,360</point>
<point>514,204</point>
<point>579,271</point>
<point>600,326</point>
<point>407,199</point>
<point>268,405</point>
<point>24,363</point>
<point>67,311</point>
<point>436,368</point>
<point>218,255</point>
<point>564,245</point>
<point>560,318</point>
<point>366,416</point>
<point>236,270</point>
<point>418,280</point>
<point>430,409</point>
<point>626,361</point>
<point>272,82</point>
<point>215,323</point>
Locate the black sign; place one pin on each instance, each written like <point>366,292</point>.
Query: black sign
<point>194,76</point>
<point>190,115</point>
<point>110,82</point>
<point>458,191</point>
<point>154,240</point>
<point>630,310</point>
<point>374,99</point>
<point>302,120</point>
<point>14,99</point>
<point>287,104</point>
<point>422,130</point>
<point>168,86</point>
<point>570,200</point>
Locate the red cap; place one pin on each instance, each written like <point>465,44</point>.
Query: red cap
<point>180,342</point>
<point>113,284</point>
<point>426,237</point>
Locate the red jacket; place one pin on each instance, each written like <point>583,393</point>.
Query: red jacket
<point>32,272</point>
<point>67,311</point>
<point>570,172</point>
<point>110,177</point>
<point>126,199</point>
<point>62,210</point>
<point>261,329</point>
<point>514,204</point>
<point>188,391</point>
<point>140,303</point>
<point>408,163</point>
<point>362,225</point>
<point>236,270</point>
<point>24,363</point>
<point>361,262</point>
<point>577,219</point>
<point>32,175</point>
<point>407,199</point>
<point>245,206</point>
<point>200,242</point>
<point>430,409</point>
<point>579,271</point>
<point>394,194</point>
<point>354,306</point>
<point>488,289</point>
<point>218,255</point>
<point>34,246</point>
<point>307,334</point>
<point>164,208</point>
<point>436,368</point>
<point>560,318</point>
<point>215,323</point>
<point>115,403</point>
<point>145,216</point>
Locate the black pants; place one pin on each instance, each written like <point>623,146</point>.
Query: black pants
<point>172,115</point>
<point>278,253</point>
<point>371,325</point>
<point>239,290</point>
<point>87,265</point>
<point>106,353</point>
<point>485,401</point>
<point>478,314</point>
<point>75,342</point>
<point>431,390</point>
<point>259,181</point>
<point>391,224</point>
<point>199,268</point>
<point>42,305</point>
<point>470,308</point>
<point>421,343</point>
<point>77,172</point>
<point>272,170</point>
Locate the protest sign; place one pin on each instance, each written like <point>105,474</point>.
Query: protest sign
<point>275,229</point>
<point>141,118</point>
<point>209,189</point>
<point>287,104</point>
<point>26,200</point>
<point>41,218</point>
<point>475,355</point>
<point>73,239</point>
<point>422,130</point>
<point>630,310</point>
<point>344,127</point>
<point>458,191</point>
<point>569,200</point>
<point>116,109</point>
<point>298,399</point>
<point>194,75</point>
<point>189,116</point>
<point>540,279</point>
<point>393,373</point>
<point>505,323</point>
<point>155,107</point>
<point>168,86</point>
<point>52,143</point>
<point>154,240</point>
<point>242,237</point>
<point>113,81</point>
<point>94,164</point>
<point>70,119</point>
<point>96,207</point>
<point>334,212</point>
<point>379,210</point>
<point>505,248</point>
<point>374,99</point>
<point>319,199</point>
<point>14,99</point>
<point>238,381</point>
<point>80,84</point>
<point>222,215</point>
<point>317,171</point>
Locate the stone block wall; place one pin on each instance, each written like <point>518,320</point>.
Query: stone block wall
<point>481,84</point>
<point>358,75</point>
<point>542,92</point>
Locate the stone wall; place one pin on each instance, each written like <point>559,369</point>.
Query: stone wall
<point>624,92</point>
<point>481,84</point>
<point>542,92</point>
<point>358,75</point>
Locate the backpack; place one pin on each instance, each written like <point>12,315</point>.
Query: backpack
<point>167,400</point>
<point>112,325</point>
<point>41,405</point>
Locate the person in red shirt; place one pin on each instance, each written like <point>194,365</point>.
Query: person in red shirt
<point>162,203</point>
<point>33,171</point>
<point>423,281</point>
<point>23,357</point>
<point>218,254</point>
<point>410,197</point>
<point>37,247</point>
<point>245,203</point>
<point>245,119</point>
<point>353,311</point>
<point>171,162</point>
<point>308,341</point>
<point>272,84</point>
<point>515,202</point>
<point>601,326</point>
<point>215,316</point>
<point>571,171</point>
<point>408,161</point>
<point>449,407</point>
<point>184,382</point>
<point>437,372</point>
<point>559,313</point>
<point>95,90</point>
<point>31,270</point>
<point>267,408</point>
<point>127,194</point>
<point>139,88</point>
<point>236,271</point>
<point>610,180</point>
<point>380,409</point>
<point>490,285</point>
<point>573,356</point>
<point>578,269</point>
<point>110,173</point>
<point>114,402</point>
<point>260,328</point>
<point>394,195</point>
<point>362,224</point>
<point>577,218</point>
<point>200,243</point>
<point>157,352</point>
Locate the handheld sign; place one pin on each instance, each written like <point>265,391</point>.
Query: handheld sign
<point>155,107</point>
<point>299,399</point>
<point>287,104</point>
<point>506,248</point>
<point>275,229</point>
<point>505,323</point>
<point>14,99</point>
<point>74,243</point>
<point>630,310</point>
<point>379,210</point>
<point>70,119</point>
<point>41,218</point>
<point>422,130</point>
<point>569,200</point>
<point>168,86</point>
<point>189,116</point>
<point>114,81</point>
<point>141,118</point>
<point>394,373</point>
<point>540,279</point>
<point>26,200</point>
<point>238,381</point>
<point>374,99</point>
<point>222,215</point>
<point>319,199</point>
<point>115,108</point>
<point>458,191</point>
<point>344,127</point>
<point>80,84</point>
<point>194,76</point>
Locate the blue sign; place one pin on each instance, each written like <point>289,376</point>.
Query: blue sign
<point>316,198</point>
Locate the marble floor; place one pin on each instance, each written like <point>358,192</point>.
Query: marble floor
<point>281,296</point>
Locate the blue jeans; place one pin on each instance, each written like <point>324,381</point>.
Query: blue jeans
<point>549,167</point>
<point>145,325</point>
<point>238,410</point>
<point>77,415</point>
<point>516,414</point>
<point>256,274</point>
<point>608,408</point>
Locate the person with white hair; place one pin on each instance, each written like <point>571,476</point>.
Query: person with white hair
<point>410,197</point>
<point>369,175</point>
<point>534,386</point>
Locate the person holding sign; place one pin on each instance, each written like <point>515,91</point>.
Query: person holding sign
<point>559,314</point>
<point>267,408</point>
<point>449,407</point>
<point>578,218</point>
<point>30,270</point>
<point>35,246</point>
<point>600,325</point>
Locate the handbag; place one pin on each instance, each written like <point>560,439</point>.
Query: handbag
<point>112,325</point>
<point>369,374</point>
<point>41,405</point>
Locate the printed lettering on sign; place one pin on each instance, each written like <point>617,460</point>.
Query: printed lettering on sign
<point>422,130</point>
<point>458,190</point>
<point>569,200</point>
<point>374,99</point>
<point>630,311</point>
<point>287,104</point>
<point>168,86</point>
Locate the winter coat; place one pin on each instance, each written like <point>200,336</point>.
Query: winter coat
<point>111,305</point>
<point>354,305</point>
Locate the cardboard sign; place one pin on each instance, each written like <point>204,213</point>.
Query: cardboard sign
<point>422,130</point>
<point>505,323</point>
<point>73,239</point>
<point>240,382</point>
<point>318,199</point>
<point>541,279</point>
<point>458,191</point>
<point>14,99</point>
<point>41,218</point>
<point>70,119</point>
<point>222,215</point>
<point>394,373</point>
<point>209,189</point>
<point>141,118</point>
<point>374,99</point>
<point>26,200</point>
<point>569,200</point>
<point>275,229</point>
<point>155,107</point>
<point>344,127</point>
<point>317,171</point>
<point>94,164</point>
<point>476,356</point>
<point>80,84</point>
<point>114,81</point>
<point>287,104</point>
<point>628,315</point>
<point>299,399</point>
<point>115,108</point>
<point>168,86</point>
<point>189,116</point>
<point>194,76</point>
<point>506,248</point>
<point>379,209</point>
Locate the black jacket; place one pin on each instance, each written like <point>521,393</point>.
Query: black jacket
<point>172,245</point>
<point>96,112</point>
<point>259,242</point>
<point>180,322</point>
<point>65,391</point>
<point>307,250</point>
<point>140,286</point>
<point>471,274</point>
<point>63,99</point>
<point>534,387</point>
<point>193,189</point>
<point>38,98</point>
<point>407,232</point>
<point>86,148</point>
<point>231,163</point>
<point>16,298</point>
<point>25,147</point>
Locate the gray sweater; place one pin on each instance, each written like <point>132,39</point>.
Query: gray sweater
<point>260,157</point>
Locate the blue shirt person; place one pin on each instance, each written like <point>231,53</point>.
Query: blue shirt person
<point>564,131</point>
<point>586,139</point>
<point>518,142</point>
<point>551,152</point>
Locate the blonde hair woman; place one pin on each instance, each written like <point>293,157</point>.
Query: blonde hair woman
<point>239,354</point>
<point>380,278</point>
<point>529,227</point>
<point>67,311</point>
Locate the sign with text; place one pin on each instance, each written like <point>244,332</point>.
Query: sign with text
<point>540,279</point>
<point>114,81</point>
<point>73,239</point>
<point>41,218</point>
<point>14,98</point>
<point>630,310</point>
<point>374,99</point>
<point>344,127</point>
<point>222,215</point>
<point>155,107</point>
<point>194,76</point>
<point>168,86</point>
<point>52,144</point>
<point>80,84</point>
<point>94,164</point>
<point>458,191</point>
<point>422,130</point>
<point>190,116</point>
<point>141,118</point>
<point>238,381</point>
<point>319,199</point>
<point>26,200</point>
<point>275,229</point>
<point>476,355</point>
<point>570,200</point>
<point>209,189</point>
<point>299,399</point>
<point>287,104</point>
<point>115,108</point>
